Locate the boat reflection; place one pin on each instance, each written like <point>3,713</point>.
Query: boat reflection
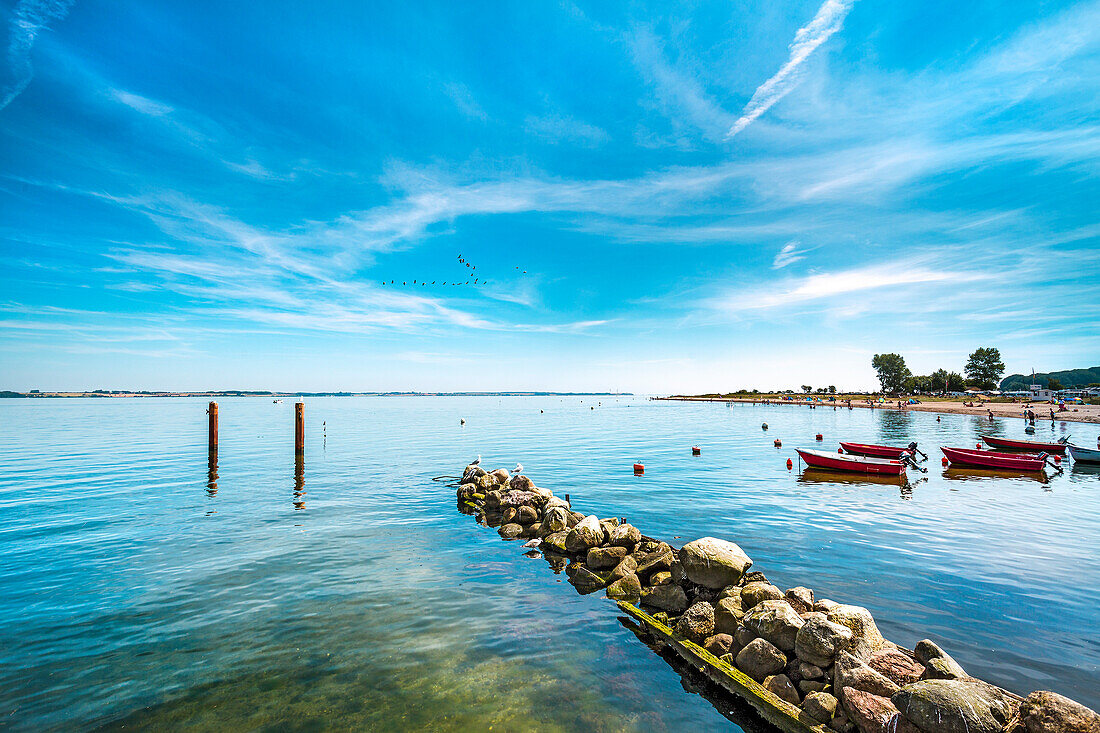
<point>973,473</point>
<point>822,476</point>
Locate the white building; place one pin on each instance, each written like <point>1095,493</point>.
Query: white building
<point>1040,393</point>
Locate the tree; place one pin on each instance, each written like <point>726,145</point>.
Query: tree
<point>832,389</point>
<point>984,368</point>
<point>807,388</point>
<point>1054,384</point>
<point>943,380</point>
<point>892,371</point>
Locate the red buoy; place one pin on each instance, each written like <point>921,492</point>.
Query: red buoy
<point>1057,459</point>
<point>695,450</point>
<point>778,443</point>
<point>978,446</point>
<point>639,468</point>
<point>944,460</point>
<point>839,450</point>
<point>790,464</point>
<point>820,436</point>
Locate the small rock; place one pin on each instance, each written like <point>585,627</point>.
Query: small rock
<point>821,706</point>
<point>654,562</point>
<point>625,587</point>
<point>943,668</point>
<point>627,566</point>
<point>800,598</point>
<point>500,476</point>
<point>809,671</point>
<point>956,706</point>
<point>587,533</point>
<point>697,623</point>
<point>626,535</point>
<point>812,686</point>
<point>669,597</point>
<point>754,593</point>
<point>896,666</point>
<point>728,614</point>
<point>509,515</point>
<point>743,636</point>
<point>664,577</point>
<point>760,659</point>
<point>556,519</point>
<point>1049,712</point>
<point>583,579</point>
<point>754,576</point>
<point>814,615</point>
<point>520,498</point>
<point>676,570</point>
<point>840,722</point>
<point>492,500</point>
<point>824,605</point>
<point>714,563</point>
<point>532,530</point>
<point>719,645</point>
<point>782,688</point>
<point>520,482</point>
<point>730,591</point>
<point>510,531</point>
<point>555,542</point>
<point>605,557</point>
<point>870,713</point>
<point>577,518</point>
<point>775,621</point>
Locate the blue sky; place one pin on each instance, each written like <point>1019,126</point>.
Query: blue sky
<point>657,197</point>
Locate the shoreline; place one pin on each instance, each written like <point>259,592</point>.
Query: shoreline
<point>1077,413</point>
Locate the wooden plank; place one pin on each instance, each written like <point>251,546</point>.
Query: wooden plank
<point>780,713</point>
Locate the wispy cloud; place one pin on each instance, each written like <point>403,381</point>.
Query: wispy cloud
<point>829,19</point>
<point>788,255</point>
<point>29,18</point>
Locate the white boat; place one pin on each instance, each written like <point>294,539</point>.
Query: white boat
<point>1084,455</point>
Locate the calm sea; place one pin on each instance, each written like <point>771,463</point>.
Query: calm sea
<point>140,590</point>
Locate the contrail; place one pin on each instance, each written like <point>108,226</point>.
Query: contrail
<point>28,18</point>
<point>829,19</point>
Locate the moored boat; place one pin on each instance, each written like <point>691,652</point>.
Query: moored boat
<point>878,451</point>
<point>1028,445</point>
<point>993,459</point>
<point>1084,455</point>
<point>857,464</point>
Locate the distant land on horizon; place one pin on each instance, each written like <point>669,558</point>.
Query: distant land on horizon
<point>264,393</point>
<point>1070,379</point>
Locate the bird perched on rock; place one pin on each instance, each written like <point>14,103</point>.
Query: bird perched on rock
<point>476,461</point>
<point>518,469</point>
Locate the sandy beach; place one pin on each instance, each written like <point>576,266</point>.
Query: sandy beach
<point>1073,413</point>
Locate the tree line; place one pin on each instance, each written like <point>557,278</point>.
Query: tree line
<point>983,370</point>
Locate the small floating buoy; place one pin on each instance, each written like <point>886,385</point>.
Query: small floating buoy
<point>820,436</point>
<point>839,450</point>
<point>639,468</point>
<point>978,446</point>
<point>695,450</point>
<point>790,464</point>
<point>944,461</point>
<point>1057,459</point>
<point>778,443</point>
<point>462,421</point>
<point>764,426</point>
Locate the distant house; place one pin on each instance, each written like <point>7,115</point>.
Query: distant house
<point>1039,393</point>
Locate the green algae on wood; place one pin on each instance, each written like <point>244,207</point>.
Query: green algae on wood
<point>780,713</point>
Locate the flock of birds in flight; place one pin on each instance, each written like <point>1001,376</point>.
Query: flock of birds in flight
<point>470,280</point>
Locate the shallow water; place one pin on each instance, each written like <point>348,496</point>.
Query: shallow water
<point>141,591</point>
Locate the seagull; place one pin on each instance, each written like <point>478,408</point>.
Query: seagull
<point>518,468</point>
<point>476,461</point>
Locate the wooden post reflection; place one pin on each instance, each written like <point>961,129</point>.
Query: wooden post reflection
<point>299,481</point>
<point>212,475</point>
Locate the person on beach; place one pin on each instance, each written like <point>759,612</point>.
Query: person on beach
<point>990,414</point>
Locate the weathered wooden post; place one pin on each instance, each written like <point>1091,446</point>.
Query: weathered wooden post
<point>212,411</point>
<point>299,428</point>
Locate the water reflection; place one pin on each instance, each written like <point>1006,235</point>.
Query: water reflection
<point>973,473</point>
<point>895,425</point>
<point>212,475</point>
<point>819,476</point>
<point>299,481</point>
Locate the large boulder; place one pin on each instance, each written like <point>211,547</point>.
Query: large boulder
<point>626,535</point>
<point>556,519</point>
<point>527,515</point>
<point>519,498</point>
<point>775,621</point>
<point>655,562</point>
<point>714,563</point>
<point>780,686</point>
<point>671,598</point>
<point>555,542</point>
<point>1049,712</point>
<point>956,706</point>
<point>728,614</point>
<point>585,534</point>
<point>510,531</point>
<point>871,713</point>
<point>605,557</point>
<point>624,588</point>
<point>758,592</point>
<point>627,566</point>
<point>719,644</point>
<point>760,659</point>
<point>800,598</point>
<point>585,580</point>
<point>896,666</point>
<point>866,638</point>
<point>697,623</point>
<point>521,482</point>
<point>500,476</point>
<point>850,671</point>
<point>821,706</point>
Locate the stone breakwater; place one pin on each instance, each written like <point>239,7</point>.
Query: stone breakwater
<point>824,663</point>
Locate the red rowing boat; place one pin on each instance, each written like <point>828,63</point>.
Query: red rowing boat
<point>879,451</point>
<point>857,464</point>
<point>1028,445</point>
<point>992,459</point>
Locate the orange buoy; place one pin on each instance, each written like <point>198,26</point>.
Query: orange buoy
<point>695,450</point>
<point>790,464</point>
<point>639,468</point>
<point>778,443</point>
<point>839,450</point>
<point>820,436</point>
<point>1057,459</point>
<point>944,460</point>
<point>978,446</point>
